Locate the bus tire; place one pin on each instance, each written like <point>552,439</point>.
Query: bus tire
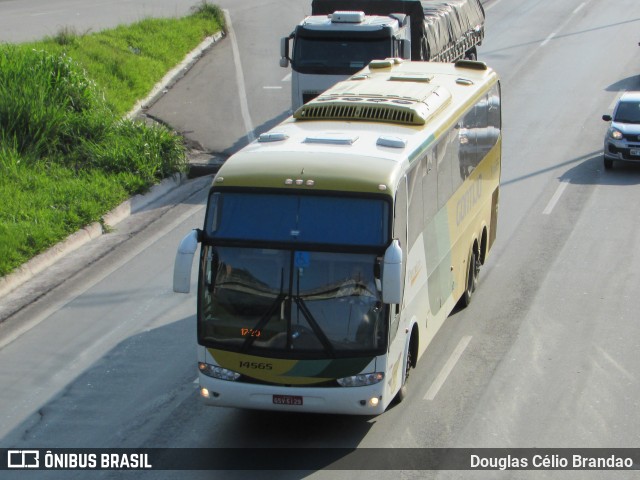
<point>472,279</point>
<point>404,391</point>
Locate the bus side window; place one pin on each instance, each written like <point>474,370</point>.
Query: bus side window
<point>429,187</point>
<point>444,155</point>
<point>415,219</point>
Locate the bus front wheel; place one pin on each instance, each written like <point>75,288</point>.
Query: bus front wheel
<point>403,392</point>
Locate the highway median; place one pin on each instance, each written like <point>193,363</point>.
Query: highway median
<point>69,154</point>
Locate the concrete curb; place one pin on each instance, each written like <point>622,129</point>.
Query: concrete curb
<point>76,240</point>
<point>173,75</point>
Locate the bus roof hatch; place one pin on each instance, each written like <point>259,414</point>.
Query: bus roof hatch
<point>406,101</point>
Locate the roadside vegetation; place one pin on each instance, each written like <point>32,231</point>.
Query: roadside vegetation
<point>67,155</point>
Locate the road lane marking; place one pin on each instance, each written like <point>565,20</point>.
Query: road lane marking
<point>564,24</point>
<point>556,197</point>
<point>286,78</point>
<point>491,5</point>
<point>244,105</point>
<point>448,368</point>
<point>527,58</point>
<point>272,88</point>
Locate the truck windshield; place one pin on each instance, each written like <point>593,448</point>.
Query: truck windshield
<point>337,56</point>
<point>290,302</point>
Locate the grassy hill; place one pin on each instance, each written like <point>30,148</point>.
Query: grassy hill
<point>67,156</point>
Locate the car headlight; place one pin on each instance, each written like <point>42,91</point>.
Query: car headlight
<point>361,380</point>
<point>218,372</point>
<point>615,134</point>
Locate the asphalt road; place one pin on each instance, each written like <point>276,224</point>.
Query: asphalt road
<point>545,356</point>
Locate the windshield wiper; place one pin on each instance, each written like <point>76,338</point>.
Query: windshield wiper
<point>314,326</point>
<point>306,313</point>
<point>267,316</point>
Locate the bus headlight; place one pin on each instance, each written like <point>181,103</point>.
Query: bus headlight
<point>217,372</point>
<point>361,380</point>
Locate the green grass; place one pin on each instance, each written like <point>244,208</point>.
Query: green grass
<point>128,60</point>
<point>66,155</point>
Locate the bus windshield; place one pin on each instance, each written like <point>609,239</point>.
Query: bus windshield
<point>298,219</point>
<point>291,302</point>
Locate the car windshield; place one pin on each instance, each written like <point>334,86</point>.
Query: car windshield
<point>628,112</point>
<point>289,302</point>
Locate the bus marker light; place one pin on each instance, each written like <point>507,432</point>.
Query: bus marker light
<point>299,181</point>
<point>288,181</point>
<point>382,188</point>
<point>310,183</point>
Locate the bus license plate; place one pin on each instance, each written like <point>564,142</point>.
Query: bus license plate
<point>287,400</point>
<point>635,153</point>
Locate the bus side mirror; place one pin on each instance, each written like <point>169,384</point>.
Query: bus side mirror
<point>184,261</point>
<point>392,274</point>
<point>284,52</point>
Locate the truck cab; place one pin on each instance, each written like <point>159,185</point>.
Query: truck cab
<point>326,49</point>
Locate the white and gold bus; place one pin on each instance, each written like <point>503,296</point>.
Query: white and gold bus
<point>336,244</point>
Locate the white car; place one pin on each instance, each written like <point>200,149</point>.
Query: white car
<point>622,141</point>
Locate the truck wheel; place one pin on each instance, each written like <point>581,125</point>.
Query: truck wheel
<point>471,54</point>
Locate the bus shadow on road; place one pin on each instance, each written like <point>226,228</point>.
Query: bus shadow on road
<point>629,83</point>
<point>590,171</point>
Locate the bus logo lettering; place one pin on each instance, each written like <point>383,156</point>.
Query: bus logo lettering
<point>468,200</point>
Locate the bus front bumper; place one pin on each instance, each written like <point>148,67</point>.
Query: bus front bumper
<point>367,400</point>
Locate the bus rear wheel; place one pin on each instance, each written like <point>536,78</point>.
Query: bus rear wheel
<point>472,279</point>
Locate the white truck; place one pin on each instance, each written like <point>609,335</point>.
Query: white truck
<point>340,37</point>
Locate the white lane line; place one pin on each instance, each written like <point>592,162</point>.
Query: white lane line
<point>447,369</point>
<point>286,78</point>
<point>244,106</point>
<point>514,70</point>
<point>491,5</point>
<point>564,24</point>
<point>272,88</point>
<point>556,197</point>
<point>548,39</point>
